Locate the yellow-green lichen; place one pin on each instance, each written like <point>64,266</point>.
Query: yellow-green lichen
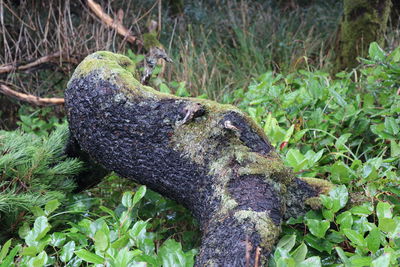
<point>265,227</point>
<point>319,185</point>
<point>118,70</point>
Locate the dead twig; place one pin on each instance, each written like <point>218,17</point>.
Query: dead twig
<point>40,101</point>
<point>13,67</point>
<point>115,24</point>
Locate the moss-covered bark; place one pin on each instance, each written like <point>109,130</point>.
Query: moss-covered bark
<point>212,158</point>
<point>363,22</point>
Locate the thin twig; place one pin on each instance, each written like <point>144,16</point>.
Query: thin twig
<point>11,67</point>
<point>115,24</point>
<point>40,101</point>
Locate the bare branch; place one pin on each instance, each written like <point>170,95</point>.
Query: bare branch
<point>12,67</point>
<point>40,101</point>
<point>115,24</point>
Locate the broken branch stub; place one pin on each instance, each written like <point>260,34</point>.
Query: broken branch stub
<point>210,157</point>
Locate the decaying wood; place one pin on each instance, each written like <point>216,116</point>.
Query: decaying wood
<point>40,101</point>
<point>115,24</point>
<point>212,158</point>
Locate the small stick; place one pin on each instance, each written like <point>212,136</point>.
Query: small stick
<point>11,67</point>
<point>40,101</point>
<point>115,24</point>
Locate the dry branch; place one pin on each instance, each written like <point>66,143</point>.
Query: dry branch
<point>115,24</point>
<point>13,67</point>
<point>40,101</point>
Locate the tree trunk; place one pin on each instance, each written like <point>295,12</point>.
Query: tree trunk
<point>363,22</point>
<point>212,158</point>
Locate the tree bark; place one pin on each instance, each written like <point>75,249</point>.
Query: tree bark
<point>363,22</point>
<point>212,158</point>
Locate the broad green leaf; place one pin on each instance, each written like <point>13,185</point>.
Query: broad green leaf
<point>101,241</point>
<point>375,52</point>
<point>394,148</point>
<point>40,227</point>
<point>342,256</point>
<point>40,260</point>
<point>164,88</point>
<point>383,210</point>
<point>139,194</point>
<point>296,160</point>
<point>57,239</point>
<point>382,261</point>
<point>341,141</point>
<point>127,199</point>
<point>373,240</point>
<point>67,251</point>
<point>89,256</point>
<point>355,237</point>
<point>339,196</point>
<point>121,242</point>
<point>287,242</point>
<point>299,254</point>
<point>51,206</point>
<point>387,225</point>
<point>171,254</point>
<point>391,126</point>
<point>318,227</point>
<point>312,261</point>
<point>363,210</point>
<point>345,219</point>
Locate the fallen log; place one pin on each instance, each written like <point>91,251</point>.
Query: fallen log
<point>210,157</point>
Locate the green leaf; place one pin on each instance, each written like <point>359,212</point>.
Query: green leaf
<point>383,210</point>
<point>345,219</point>
<point>342,256</point>
<point>67,251</point>
<point>51,206</point>
<point>101,241</point>
<point>394,148</point>
<point>382,261</point>
<point>127,199</point>
<point>341,141</point>
<point>40,260</point>
<point>312,261</point>
<point>139,194</point>
<point>171,255</point>
<point>287,242</point>
<point>339,196</point>
<point>387,225</point>
<point>364,210</point>
<point>121,242</point>
<point>391,126</point>
<point>89,256</point>
<point>355,237</point>
<point>57,239</point>
<point>10,257</point>
<point>373,240</point>
<point>164,88</point>
<point>375,52</point>
<point>295,159</point>
<point>5,249</point>
<point>299,254</point>
<point>318,227</point>
<point>40,228</point>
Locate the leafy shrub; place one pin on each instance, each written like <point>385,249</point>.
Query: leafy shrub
<point>345,130</point>
<point>120,238</point>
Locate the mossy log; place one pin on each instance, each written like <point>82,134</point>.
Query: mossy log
<point>363,22</point>
<point>210,157</point>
